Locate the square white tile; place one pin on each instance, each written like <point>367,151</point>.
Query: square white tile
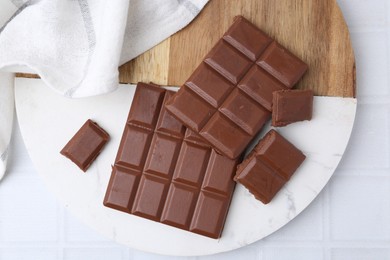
<point>372,67</point>
<point>95,253</point>
<point>250,252</point>
<point>29,253</point>
<point>139,255</point>
<point>364,12</point>
<point>359,208</point>
<point>27,211</point>
<point>371,134</point>
<point>296,253</point>
<point>360,254</point>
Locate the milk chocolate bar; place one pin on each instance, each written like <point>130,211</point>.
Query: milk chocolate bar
<point>290,106</point>
<point>86,145</point>
<point>228,98</point>
<point>167,173</point>
<point>269,166</point>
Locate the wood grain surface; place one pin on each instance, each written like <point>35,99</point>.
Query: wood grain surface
<point>314,30</point>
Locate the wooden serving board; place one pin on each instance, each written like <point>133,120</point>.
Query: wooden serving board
<point>314,30</point>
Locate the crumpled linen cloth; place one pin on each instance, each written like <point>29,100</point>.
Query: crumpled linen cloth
<point>76,46</point>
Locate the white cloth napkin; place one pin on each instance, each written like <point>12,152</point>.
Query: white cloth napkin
<point>6,117</point>
<point>76,46</point>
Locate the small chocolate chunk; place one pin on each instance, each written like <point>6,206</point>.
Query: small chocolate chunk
<point>290,106</point>
<point>86,145</point>
<point>269,166</point>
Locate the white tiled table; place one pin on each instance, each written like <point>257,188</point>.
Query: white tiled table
<point>350,219</point>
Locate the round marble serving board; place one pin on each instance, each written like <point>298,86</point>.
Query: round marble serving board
<point>314,30</point>
<point>48,121</point>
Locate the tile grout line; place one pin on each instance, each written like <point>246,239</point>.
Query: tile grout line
<point>326,223</point>
<point>42,244</point>
<point>388,126</point>
<point>388,205</point>
<point>387,32</point>
<point>362,172</point>
<point>61,231</point>
<point>388,82</point>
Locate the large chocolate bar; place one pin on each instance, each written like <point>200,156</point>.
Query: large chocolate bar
<point>167,173</point>
<point>229,97</point>
<point>269,166</point>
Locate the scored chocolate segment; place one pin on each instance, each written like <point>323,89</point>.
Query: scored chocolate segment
<point>125,181</point>
<point>169,173</point>
<point>260,85</point>
<point>133,148</point>
<point>282,64</point>
<point>232,88</point>
<point>146,107</point>
<point>187,100</point>
<point>269,166</point>
<point>227,136</point>
<point>180,205</point>
<point>221,182</point>
<point>245,37</point>
<point>241,108</point>
<point>167,124</point>
<point>209,204</point>
<point>204,76</point>
<point>151,193</point>
<point>228,62</point>
<point>162,155</point>
<point>191,164</point>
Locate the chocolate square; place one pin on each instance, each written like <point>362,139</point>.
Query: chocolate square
<point>290,106</point>
<point>86,144</point>
<point>232,68</point>
<point>282,64</point>
<point>269,166</point>
<point>245,37</point>
<point>260,85</point>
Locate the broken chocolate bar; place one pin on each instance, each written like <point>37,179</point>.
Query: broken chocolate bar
<point>228,99</point>
<point>269,166</point>
<point>86,145</point>
<point>290,106</point>
<point>167,173</point>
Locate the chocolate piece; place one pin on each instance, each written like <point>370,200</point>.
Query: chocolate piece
<point>269,166</point>
<point>228,98</point>
<point>167,173</point>
<point>282,64</point>
<point>290,106</point>
<point>86,145</point>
